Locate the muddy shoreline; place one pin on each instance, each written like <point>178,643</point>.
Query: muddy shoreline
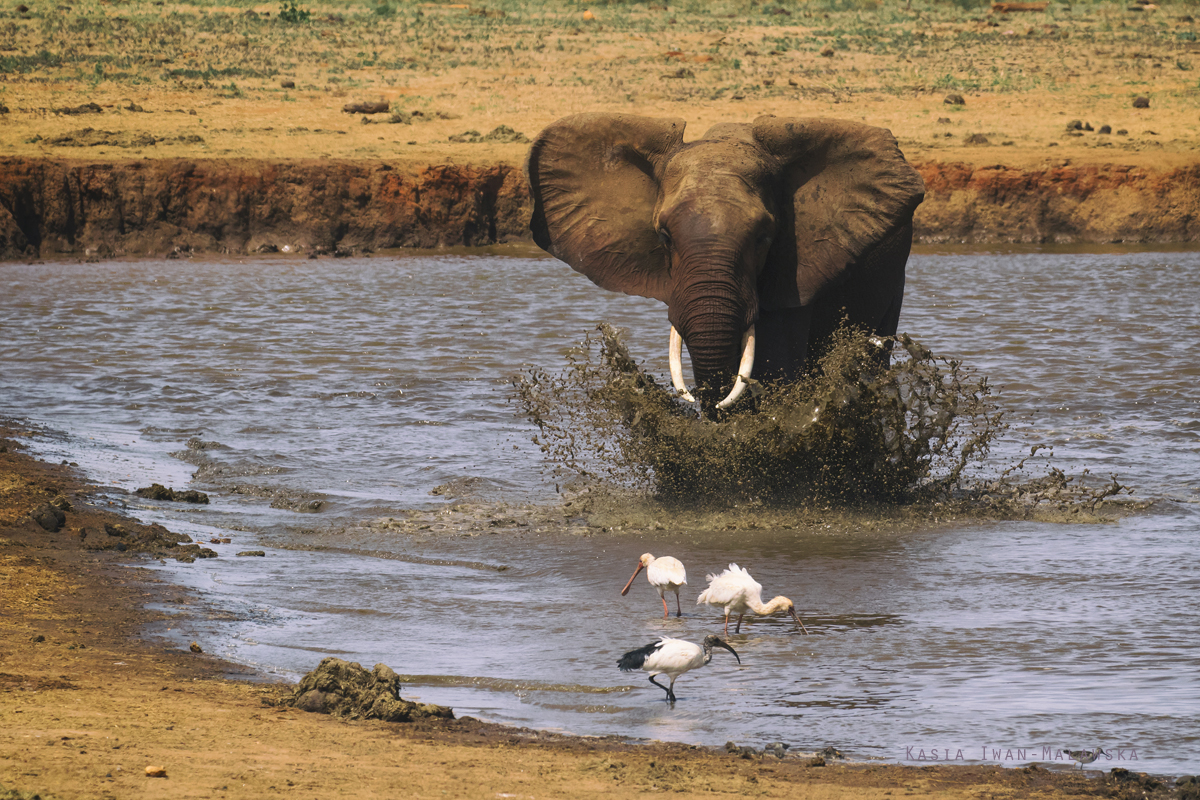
<point>169,207</point>
<point>90,702</point>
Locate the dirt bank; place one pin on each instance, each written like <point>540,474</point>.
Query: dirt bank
<point>87,704</point>
<point>137,208</point>
<point>51,208</point>
<point>1058,203</point>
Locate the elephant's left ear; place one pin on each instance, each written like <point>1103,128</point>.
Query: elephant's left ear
<point>850,188</point>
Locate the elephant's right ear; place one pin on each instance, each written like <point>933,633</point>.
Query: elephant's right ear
<point>594,186</point>
<point>850,189</point>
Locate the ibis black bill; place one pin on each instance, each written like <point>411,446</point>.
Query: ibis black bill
<point>716,641</point>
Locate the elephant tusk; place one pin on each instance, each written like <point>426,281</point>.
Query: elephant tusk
<point>744,370</point>
<point>676,353</point>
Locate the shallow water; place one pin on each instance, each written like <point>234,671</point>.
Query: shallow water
<point>366,384</point>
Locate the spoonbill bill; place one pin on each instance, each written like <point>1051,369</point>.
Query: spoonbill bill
<point>672,657</point>
<point>665,574</point>
<point>736,592</point>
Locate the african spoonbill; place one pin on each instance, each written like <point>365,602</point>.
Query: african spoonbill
<point>736,592</point>
<point>665,574</point>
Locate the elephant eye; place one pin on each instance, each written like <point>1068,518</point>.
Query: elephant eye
<point>764,240</point>
<point>664,237</point>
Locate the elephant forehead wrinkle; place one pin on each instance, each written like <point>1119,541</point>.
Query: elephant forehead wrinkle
<point>716,176</point>
<point>715,222</point>
<point>705,156</point>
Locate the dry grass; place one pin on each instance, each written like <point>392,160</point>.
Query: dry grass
<point>211,78</point>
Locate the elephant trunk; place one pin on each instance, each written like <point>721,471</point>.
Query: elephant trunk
<point>713,333</point>
<point>713,314</point>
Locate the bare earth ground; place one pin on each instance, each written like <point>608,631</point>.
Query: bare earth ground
<point>205,80</point>
<point>86,705</point>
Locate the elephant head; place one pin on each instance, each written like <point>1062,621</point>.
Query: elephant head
<point>760,238</point>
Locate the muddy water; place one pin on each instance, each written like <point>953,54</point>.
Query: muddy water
<point>325,400</point>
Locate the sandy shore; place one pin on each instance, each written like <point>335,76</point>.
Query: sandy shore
<point>90,701</point>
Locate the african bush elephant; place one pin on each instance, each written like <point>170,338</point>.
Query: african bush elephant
<point>760,238</point>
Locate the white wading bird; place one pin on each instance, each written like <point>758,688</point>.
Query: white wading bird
<point>736,592</point>
<point>665,574</point>
<point>672,657</point>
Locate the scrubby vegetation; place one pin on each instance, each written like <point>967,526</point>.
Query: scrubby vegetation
<point>730,46</point>
<point>515,57</point>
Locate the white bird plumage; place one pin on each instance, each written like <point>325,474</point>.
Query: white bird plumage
<point>666,574</point>
<point>738,593</point>
<point>672,657</point>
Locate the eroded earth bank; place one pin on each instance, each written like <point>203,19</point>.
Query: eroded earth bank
<point>56,208</point>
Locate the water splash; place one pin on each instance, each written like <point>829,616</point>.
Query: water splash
<point>857,429</point>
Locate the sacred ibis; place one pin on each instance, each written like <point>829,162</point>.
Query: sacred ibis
<point>672,657</point>
<point>736,592</point>
<point>665,574</point>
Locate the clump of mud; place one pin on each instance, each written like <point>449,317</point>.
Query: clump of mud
<point>156,540</point>
<point>854,430</point>
<point>156,491</point>
<point>345,689</point>
<point>222,474</point>
<point>861,429</point>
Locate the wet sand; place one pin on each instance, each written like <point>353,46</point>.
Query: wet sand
<point>89,702</point>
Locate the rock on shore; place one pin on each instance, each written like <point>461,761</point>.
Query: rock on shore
<point>345,689</point>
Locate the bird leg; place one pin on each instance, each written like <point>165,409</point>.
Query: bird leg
<point>738,629</point>
<point>726,624</point>
<point>666,613</point>
<point>678,610</point>
<point>670,693</point>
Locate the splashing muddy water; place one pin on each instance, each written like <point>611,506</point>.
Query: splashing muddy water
<point>352,420</point>
<point>879,422</point>
<point>856,429</point>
